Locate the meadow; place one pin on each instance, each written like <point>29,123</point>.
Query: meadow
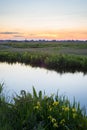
<point>61,56</point>
<point>38,111</point>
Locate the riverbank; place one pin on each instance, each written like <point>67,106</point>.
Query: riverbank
<point>40,112</point>
<point>60,63</point>
<point>60,56</point>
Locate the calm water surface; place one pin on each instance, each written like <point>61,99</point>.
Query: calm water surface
<point>21,77</point>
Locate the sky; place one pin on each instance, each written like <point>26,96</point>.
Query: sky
<point>43,19</point>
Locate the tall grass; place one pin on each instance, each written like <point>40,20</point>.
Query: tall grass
<point>60,62</point>
<point>41,112</point>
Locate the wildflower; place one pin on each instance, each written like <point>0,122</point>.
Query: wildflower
<point>53,120</point>
<point>55,103</point>
<point>73,110</point>
<point>74,115</point>
<point>65,108</point>
<point>50,108</point>
<point>49,117</point>
<point>37,106</point>
<point>62,122</point>
<point>55,125</point>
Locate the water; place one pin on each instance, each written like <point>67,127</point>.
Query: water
<point>18,77</point>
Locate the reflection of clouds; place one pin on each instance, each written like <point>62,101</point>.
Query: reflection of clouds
<point>24,77</point>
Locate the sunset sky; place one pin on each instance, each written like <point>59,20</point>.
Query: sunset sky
<point>43,19</point>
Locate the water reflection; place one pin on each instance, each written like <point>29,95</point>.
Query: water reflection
<point>19,76</point>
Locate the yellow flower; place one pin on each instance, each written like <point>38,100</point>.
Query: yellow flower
<point>73,110</point>
<point>62,122</point>
<point>36,107</point>
<point>55,125</point>
<point>65,108</point>
<point>55,103</point>
<point>50,108</point>
<point>53,120</point>
<point>49,117</point>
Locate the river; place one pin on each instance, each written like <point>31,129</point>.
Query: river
<point>18,77</point>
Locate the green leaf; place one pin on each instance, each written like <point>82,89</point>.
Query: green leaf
<point>40,94</point>
<point>34,93</point>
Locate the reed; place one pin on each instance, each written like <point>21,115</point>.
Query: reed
<point>60,63</point>
<point>41,112</point>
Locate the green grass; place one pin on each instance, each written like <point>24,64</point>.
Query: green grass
<point>55,47</point>
<point>61,56</point>
<point>60,63</point>
<point>44,44</point>
<point>40,112</point>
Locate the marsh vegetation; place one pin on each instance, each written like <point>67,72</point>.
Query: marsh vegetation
<point>38,111</point>
<point>60,56</point>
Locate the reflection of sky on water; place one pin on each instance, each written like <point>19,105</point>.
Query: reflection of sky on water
<point>17,77</point>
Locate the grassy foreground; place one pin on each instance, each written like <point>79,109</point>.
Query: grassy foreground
<point>40,112</point>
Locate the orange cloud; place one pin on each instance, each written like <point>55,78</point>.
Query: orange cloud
<point>50,35</point>
<point>58,35</point>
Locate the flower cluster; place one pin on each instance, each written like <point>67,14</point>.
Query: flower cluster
<point>37,107</point>
<point>64,108</point>
<point>62,122</point>
<point>55,103</point>
<point>53,121</point>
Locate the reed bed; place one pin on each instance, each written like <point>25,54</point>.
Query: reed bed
<point>38,111</point>
<point>60,63</point>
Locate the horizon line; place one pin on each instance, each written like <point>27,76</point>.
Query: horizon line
<point>26,40</point>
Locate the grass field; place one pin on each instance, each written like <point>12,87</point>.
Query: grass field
<point>50,47</point>
<point>57,55</point>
